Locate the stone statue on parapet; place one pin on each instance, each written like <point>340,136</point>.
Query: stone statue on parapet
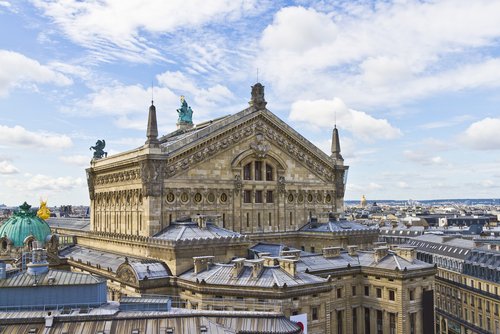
<point>99,149</point>
<point>185,112</point>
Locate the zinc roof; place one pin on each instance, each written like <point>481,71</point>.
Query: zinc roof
<point>190,230</point>
<point>52,277</point>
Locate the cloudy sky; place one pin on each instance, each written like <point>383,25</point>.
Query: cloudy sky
<point>414,85</point>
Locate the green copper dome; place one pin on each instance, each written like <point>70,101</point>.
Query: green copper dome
<point>22,224</point>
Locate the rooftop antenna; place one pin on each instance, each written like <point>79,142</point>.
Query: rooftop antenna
<point>152,91</point>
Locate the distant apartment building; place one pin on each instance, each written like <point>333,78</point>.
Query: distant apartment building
<point>467,292</point>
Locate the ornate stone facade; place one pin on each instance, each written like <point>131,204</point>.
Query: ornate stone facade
<point>250,168</point>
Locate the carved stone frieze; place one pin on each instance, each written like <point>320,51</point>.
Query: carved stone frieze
<point>90,182</point>
<point>151,177</point>
<point>260,147</point>
<point>120,176</point>
<point>130,198</point>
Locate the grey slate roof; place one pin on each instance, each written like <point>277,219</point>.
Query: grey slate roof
<point>337,226</point>
<point>50,278</point>
<point>143,267</point>
<point>362,259</point>
<point>441,245</point>
<point>189,230</point>
<point>273,249</point>
<point>81,224</point>
<point>221,274</point>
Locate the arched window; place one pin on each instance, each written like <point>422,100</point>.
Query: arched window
<point>4,244</point>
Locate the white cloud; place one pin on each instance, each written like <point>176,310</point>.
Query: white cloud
<point>18,70</point>
<point>77,160</point>
<point>322,113</point>
<point>388,53</point>
<point>7,168</point>
<point>205,97</point>
<point>423,158</point>
<point>40,182</point>
<point>120,29</point>
<point>129,104</point>
<point>483,135</point>
<point>19,136</point>
<point>447,122</point>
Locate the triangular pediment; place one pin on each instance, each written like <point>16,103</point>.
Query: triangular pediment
<point>186,149</point>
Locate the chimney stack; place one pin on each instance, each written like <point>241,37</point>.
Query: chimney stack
<point>379,253</point>
<point>331,252</point>
<point>202,263</point>
<point>289,265</point>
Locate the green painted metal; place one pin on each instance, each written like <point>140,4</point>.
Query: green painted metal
<point>185,112</point>
<point>25,223</point>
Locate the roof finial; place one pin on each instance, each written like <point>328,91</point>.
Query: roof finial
<point>335,118</point>
<point>336,145</point>
<point>152,131</point>
<point>257,74</point>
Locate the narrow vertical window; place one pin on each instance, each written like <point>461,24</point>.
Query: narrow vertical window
<point>258,170</point>
<point>247,172</point>
<point>269,196</point>
<point>269,172</point>
<point>258,196</point>
<point>247,196</point>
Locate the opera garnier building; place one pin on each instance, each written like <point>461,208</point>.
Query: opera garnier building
<point>243,213</point>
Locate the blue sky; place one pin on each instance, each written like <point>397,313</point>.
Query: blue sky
<point>414,85</point>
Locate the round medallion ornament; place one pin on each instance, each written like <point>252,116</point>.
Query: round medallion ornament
<point>290,198</point>
<point>170,197</point>
<point>184,197</point>
<point>211,197</point>
<point>309,198</point>
<point>223,198</point>
<point>328,198</point>
<point>197,198</point>
<point>300,198</point>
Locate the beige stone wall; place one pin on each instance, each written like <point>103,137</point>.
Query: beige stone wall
<point>140,192</point>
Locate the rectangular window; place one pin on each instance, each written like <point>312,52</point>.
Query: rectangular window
<point>367,290</point>
<point>380,324</point>
<point>258,196</point>
<point>339,293</point>
<point>413,321</point>
<point>270,220</point>
<point>269,172</point>
<point>312,249</point>
<point>412,294</point>
<point>247,196</point>
<point>392,323</point>
<point>353,290</point>
<point>247,172</point>
<point>379,293</point>
<point>314,312</point>
<point>392,295</point>
<point>269,196</point>
<point>258,170</point>
<point>340,322</point>
<point>367,320</point>
<point>354,321</point>
<point>248,219</point>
